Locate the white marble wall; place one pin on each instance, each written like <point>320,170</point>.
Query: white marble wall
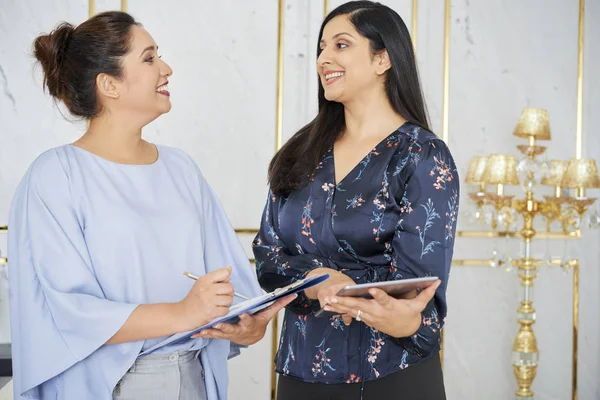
<point>504,56</point>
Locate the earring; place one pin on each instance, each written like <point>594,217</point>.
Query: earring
<point>117,95</point>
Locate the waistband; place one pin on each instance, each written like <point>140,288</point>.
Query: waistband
<point>164,360</point>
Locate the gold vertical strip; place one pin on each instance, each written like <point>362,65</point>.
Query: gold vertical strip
<point>413,25</point>
<point>279,95</point>
<point>575,329</point>
<point>278,144</point>
<point>446,84</point>
<point>444,98</point>
<point>91,13</point>
<point>124,5</point>
<point>578,155</point>
<point>579,129</point>
<point>91,8</point>
<point>325,8</point>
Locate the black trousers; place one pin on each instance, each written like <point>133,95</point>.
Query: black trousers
<point>422,381</point>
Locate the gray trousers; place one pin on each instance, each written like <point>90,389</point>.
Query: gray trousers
<point>175,376</point>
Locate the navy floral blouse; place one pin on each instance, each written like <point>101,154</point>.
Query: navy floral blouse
<point>392,217</point>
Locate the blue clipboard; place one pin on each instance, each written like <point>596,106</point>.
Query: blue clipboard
<point>251,306</point>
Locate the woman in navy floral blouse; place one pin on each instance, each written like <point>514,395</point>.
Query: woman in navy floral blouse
<point>387,215</point>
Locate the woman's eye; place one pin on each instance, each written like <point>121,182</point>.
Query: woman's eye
<point>149,59</point>
<point>341,45</point>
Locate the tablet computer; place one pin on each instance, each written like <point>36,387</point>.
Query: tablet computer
<point>396,289</point>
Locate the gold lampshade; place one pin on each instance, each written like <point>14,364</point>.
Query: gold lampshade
<point>556,173</point>
<point>476,168</point>
<point>533,124</point>
<point>582,173</point>
<point>501,169</point>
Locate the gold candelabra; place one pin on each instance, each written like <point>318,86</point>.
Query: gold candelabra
<point>501,170</point>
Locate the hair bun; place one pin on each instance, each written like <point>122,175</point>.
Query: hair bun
<point>50,51</point>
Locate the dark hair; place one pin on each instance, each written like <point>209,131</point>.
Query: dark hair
<point>293,165</point>
<point>72,58</point>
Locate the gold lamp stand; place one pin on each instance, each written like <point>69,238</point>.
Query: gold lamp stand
<point>501,170</point>
<point>525,349</point>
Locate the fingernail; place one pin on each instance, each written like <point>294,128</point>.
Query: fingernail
<point>327,308</point>
<point>218,326</point>
<point>334,300</point>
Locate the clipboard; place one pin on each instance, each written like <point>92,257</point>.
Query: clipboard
<point>250,306</point>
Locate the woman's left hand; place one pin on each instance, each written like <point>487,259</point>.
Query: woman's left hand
<point>249,329</point>
<point>394,317</point>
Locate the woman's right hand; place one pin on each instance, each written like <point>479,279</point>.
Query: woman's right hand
<point>210,297</point>
<point>329,288</point>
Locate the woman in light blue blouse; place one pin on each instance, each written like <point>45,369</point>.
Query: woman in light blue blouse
<point>102,230</point>
<point>366,193</point>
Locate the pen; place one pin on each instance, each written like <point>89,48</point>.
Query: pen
<point>194,277</point>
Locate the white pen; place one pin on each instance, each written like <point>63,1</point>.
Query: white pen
<point>194,277</point>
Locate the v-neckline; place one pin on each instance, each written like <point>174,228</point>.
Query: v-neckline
<point>336,183</point>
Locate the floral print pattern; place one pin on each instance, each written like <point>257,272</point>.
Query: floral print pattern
<point>392,217</point>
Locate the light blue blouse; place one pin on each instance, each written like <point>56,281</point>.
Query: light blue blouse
<point>90,240</point>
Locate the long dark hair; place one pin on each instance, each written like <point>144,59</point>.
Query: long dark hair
<point>72,57</point>
<point>293,165</point>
